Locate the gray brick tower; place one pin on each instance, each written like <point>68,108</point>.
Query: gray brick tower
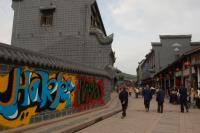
<point>68,29</point>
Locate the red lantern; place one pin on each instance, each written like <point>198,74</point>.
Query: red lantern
<point>189,64</point>
<point>185,64</point>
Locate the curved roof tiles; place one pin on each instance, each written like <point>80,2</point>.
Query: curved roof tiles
<point>19,56</point>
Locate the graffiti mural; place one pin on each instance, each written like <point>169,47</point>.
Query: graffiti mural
<point>88,93</point>
<point>25,92</point>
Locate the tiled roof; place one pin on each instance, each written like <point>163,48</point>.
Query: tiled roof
<point>195,43</point>
<point>18,56</point>
<point>197,49</point>
<point>187,53</point>
<point>156,44</point>
<point>174,36</point>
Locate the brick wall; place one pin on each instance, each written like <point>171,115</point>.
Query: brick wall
<point>68,38</point>
<point>36,87</point>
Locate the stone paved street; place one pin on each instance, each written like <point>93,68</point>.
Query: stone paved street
<point>139,121</point>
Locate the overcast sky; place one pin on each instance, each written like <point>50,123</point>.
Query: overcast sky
<point>135,24</point>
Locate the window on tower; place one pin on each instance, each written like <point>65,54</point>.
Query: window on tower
<point>47,17</point>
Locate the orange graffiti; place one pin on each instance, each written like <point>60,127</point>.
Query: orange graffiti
<point>23,119</point>
<point>4,82</point>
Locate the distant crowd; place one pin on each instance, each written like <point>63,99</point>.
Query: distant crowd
<point>182,96</point>
<point>193,96</point>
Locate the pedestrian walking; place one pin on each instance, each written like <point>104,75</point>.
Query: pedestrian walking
<point>123,96</point>
<point>153,90</point>
<point>160,100</point>
<point>183,98</point>
<point>192,96</point>
<point>147,97</point>
<point>198,98</point>
<point>130,90</point>
<point>136,92</point>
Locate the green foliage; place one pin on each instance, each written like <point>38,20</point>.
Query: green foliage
<point>121,77</point>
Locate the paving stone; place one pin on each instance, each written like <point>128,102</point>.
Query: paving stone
<point>139,121</point>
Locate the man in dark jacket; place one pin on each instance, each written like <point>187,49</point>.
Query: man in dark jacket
<point>160,99</point>
<point>123,96</point>
<point>147,97</point>
<point>183,98</point>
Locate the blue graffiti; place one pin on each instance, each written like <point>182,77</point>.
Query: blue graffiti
<point>63,94</point>
<point>39,90</point>
<point>9,109</point>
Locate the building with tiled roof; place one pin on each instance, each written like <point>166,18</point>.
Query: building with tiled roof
<point>164,53</point>
<point>71,30</point>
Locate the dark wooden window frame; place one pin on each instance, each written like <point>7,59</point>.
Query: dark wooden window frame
<point>47,17</point>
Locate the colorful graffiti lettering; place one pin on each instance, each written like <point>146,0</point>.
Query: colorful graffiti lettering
<point>88,93</point>
<point>26,92</point>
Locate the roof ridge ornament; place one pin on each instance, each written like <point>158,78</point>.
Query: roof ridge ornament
<point>101,36</point>
<point>176,45</point>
